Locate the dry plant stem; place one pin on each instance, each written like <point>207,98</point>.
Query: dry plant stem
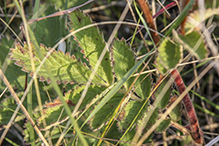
<point>149,20</point>
<point>196,131</point>
<point>20,105</point>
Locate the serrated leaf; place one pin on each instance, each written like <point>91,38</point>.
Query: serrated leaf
<point>143,85</point>
<point>54,110</point>
<point>193,42</point>
<point>114,90</point>
<point>92,44</point>
<point>123,60</point>
<point>165,99</point>
<point>113,131</point>
<point>176,113</point>
<point>26,132</point>
<point>128,114</point>
<point>103,115</point>
<point>160,67</point>
<point>52,114</point>
<point>49,31</point>
<point>127,138</point>
<point>195,18</point>
<point>15,76</point>
<point>7,108</point>
<point>63,66</point>
<point>169,55</point>
<point>163,125</point>
<point>151,121</point>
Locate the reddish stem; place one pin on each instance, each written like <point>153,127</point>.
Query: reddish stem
<point>170,5</point>
<point>196,131</point>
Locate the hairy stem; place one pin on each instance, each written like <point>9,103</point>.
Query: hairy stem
<point>196,131</point>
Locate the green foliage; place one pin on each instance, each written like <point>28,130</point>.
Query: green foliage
<point>163,126</point>
<point>50,30</point>
<point>92,44</point>
<point>193,42</point>
<point>175,114</point>
<point>165,99</point>
<point>67,69</point>
<point>63,4</point>
<point>104,101</point>
<point>129,113</point>
<point>103,115</point>
<point>13,73</point>
<point>123,60</point>
<point>54,110</point>
<point>143,86</point>
<point>169,55</point>
<point>7,109</point>
<point>64,67</point>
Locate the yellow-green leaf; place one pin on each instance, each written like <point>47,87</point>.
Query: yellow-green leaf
<point>92,44</point>
<point>123,60</point>
<point>193,42</point>
<point>64,68</point>
<point>169,55</point>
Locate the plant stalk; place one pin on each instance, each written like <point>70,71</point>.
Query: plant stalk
<point>196,131</point>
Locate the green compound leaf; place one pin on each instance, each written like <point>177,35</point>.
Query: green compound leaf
<point>63,66</point>
<point>92,44</point>
<point>54,111</point>
<point>128,114</point>
<point>193,42</point>
<point>105,113</point>
<point>123,60</point>
<point>117,87</point>
<point>169,55</point>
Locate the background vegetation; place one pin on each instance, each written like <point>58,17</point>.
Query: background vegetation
<point>116,104</point>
